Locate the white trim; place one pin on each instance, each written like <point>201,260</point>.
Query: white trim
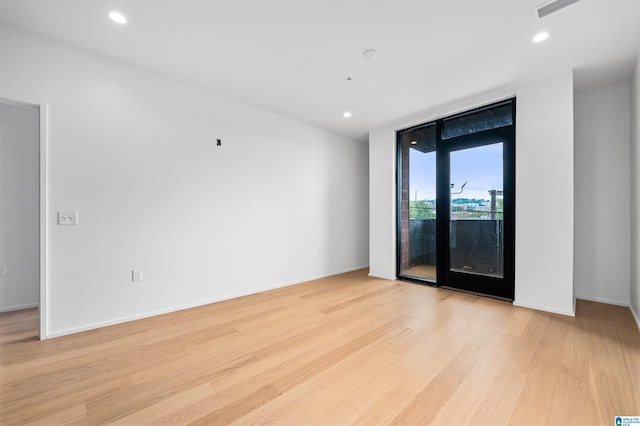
<point>19,307</point>
<point>44,214</point>
<point>635,315</point>
<point>20,103</point>
<point>384,277</point>
<point>602,300</point>
<point>193,305</point>
<point>44,208</point>
<point>545,309</point>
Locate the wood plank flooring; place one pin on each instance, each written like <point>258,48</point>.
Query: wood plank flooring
<point>348,349</point>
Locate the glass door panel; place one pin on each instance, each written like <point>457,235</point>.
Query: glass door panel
<point>417,173</point>
<point>465,240</point>
<point>476,233</point>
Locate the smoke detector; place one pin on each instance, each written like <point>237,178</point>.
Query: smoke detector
<point>370,53</point>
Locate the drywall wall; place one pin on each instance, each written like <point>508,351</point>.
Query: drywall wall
<point>135,154</point>
<point>19,206</point>
<point>602,243</point>
<point>544,190</point>
<point>382,212</point>
<point>635,193</point>
<point>544,195</point>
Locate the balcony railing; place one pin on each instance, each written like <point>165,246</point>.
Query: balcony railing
<point>476,244</point>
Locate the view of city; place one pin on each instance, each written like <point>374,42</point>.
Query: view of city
<point>461,208</point>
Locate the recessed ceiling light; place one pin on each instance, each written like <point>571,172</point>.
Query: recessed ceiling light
<point>117,17</point>
<point>370,53</point>
<point>346,114</point>
<point>414,142</point>
<point>541,36</point>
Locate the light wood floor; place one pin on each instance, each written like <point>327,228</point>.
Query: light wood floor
<point>346,349</point>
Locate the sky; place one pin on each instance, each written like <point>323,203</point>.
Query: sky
<point>480,167</point>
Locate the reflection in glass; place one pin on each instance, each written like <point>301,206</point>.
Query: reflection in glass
<point>418,204</point>
<point>477,121</point>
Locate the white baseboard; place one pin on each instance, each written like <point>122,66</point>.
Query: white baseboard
<point>18,307</point>
<point>545,309</point>
<point>193,305</point>
<point>384,277</point>
<point>636,316</point>
<point>602,300</point>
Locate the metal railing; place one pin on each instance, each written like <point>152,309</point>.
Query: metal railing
<point>425,213</point>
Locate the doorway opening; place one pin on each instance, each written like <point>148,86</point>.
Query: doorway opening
<point>456,201</point>
<point>23,214</point>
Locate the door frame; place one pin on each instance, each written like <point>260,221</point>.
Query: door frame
<point>443,192</point>
<point>43,189</point>
<point>469,282</point>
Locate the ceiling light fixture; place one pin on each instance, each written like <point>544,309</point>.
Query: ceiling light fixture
<point>414,142</point>
<point>346,114</point>
<point>370,53</point>
<point>541,36</point>
<point>117,17</point>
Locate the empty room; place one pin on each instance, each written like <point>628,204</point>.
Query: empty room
<point>318,212</point>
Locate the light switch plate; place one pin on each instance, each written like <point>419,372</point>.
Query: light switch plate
<point>3,270</point>
<point>67,218</point>
<point>136,275</point>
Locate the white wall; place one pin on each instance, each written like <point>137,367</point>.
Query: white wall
<point>135,154</point>
<point>544,191</point>
<point>635,193</point>
<point>19,207</point>
<point>382,212</point>
<point>602,208</point>
<point>544,195</point>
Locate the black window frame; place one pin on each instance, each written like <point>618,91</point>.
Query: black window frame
<point>443,148</point>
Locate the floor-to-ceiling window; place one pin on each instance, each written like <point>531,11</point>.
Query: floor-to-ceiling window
<point>456,201</point>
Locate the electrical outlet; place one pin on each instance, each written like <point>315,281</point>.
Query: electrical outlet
<point>136,275</point>
<point>67,218</point>
<point>3,270</point>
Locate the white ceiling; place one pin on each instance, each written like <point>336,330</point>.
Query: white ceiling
<point>294,56</point>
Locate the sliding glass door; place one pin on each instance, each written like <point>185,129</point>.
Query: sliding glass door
<point>456,201</point>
